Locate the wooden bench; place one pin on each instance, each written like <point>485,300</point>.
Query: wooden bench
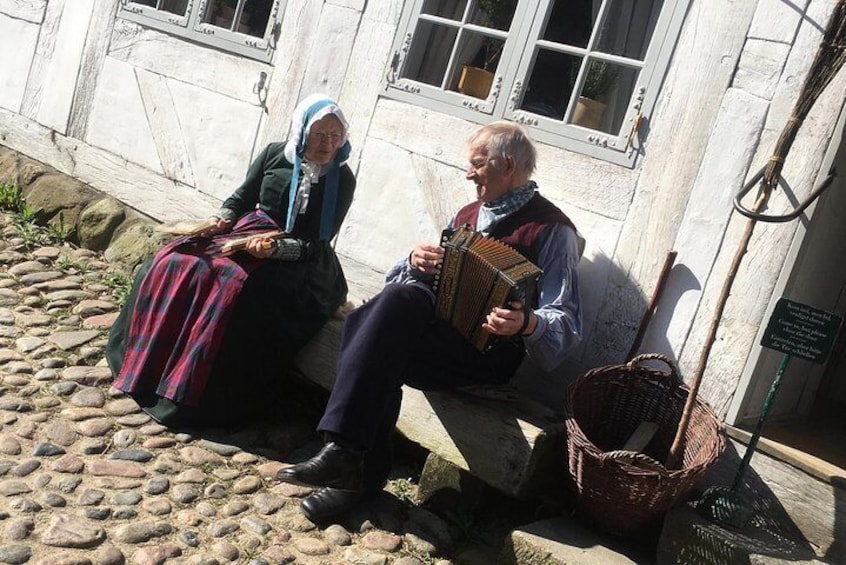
<point>511,443</point>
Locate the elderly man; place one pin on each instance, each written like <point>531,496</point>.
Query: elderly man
<point>394,339</point>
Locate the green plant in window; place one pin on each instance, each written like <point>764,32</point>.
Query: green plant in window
<point>498,14</point>
<point>600,79</point>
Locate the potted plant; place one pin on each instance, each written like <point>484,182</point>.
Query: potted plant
<point>223,14</point>
<point>477,76</point>
<point>590,106</point>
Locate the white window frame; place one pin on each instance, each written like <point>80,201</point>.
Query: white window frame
<point>505,96</point>
<point>191,26</point>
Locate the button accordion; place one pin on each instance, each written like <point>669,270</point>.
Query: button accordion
<point>477,274</point>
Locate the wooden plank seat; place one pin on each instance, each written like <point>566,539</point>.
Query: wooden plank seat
<point>510,442</point>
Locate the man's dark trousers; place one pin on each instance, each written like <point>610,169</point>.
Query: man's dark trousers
<point>394,339</point>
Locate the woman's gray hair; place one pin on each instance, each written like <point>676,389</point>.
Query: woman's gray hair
<point>507,139</point>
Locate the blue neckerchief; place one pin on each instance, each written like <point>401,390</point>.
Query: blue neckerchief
<point>492,212</point>
<point>330,190</point>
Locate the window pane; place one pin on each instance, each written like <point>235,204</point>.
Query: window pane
<point>478,58</point>
<point>429,54</point>
<point>496,14</point>
<point>551,84</point>
<point>445,8</point>
<point>174,6</point>
<point>151,3</point>
<point>606,93</point>
<point>570,22</point>
<point>222,13</point>
<point>254,17</point>
<point>628,27</point>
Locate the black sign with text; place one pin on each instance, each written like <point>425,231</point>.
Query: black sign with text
<point>797,329</point>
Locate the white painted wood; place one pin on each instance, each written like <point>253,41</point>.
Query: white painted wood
<point>802,378</point>
<point>41,61</point>
<point>28,10</point>
<point>63,70</point>
<point>218,133</point>
<point>137,186</point>
<point>768,248</point>
<point>422,132</point>
<point>390,210</point>
<point>368,60</point>
<point>164,127</point>
<point>679,133</point>
<point>329,56</point>
<point>385,11</point>
<point>723,171</point>
<point>590,184</point>
<point>93,56</point>
<point>759,68</point>
<point>357,5</point>
<point>795,70</point>
<point>299,27</point>
<point>595,267</point>
<point>118,122</point>
<point>762,361</point>
<point>596,186</point>
<point>36,141</point>
<point>18,38</point>
<point>163,199</point>
<point>776,20</point>
<point>194,64</point>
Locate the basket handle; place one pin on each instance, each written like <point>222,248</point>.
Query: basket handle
<point>672,373</point>
<point>635,459</point>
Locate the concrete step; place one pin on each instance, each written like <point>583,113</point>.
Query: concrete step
<point>563,541</point>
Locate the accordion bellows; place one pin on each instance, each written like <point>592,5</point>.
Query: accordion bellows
<point>477,274</point>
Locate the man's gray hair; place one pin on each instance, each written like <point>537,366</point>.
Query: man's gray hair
<point>507,139</point>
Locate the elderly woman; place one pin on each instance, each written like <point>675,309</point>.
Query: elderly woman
<point>206,335</point>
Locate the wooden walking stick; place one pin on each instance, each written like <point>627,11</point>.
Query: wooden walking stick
<point>829,59</point>
<point>653,303</point>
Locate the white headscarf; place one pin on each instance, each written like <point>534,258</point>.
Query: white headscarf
<point>307,112</point>
<point>301,125</point>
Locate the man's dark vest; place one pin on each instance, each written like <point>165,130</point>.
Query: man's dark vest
<point>522,229</point>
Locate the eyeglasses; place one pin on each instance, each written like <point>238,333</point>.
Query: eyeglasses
<point>321,136</point>
<point>479,164</point>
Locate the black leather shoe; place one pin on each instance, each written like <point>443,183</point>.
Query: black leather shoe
<point>329,503</point>
<point>334,466</point>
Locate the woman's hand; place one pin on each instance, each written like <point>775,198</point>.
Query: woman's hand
<point>219,226</point>
<point>426,257</point>
<point>511,321</point>
<point>261,247</point>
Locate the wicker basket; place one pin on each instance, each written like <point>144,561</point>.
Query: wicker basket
<point>625,493</point>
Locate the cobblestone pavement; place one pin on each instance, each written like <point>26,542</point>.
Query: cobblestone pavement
<point>87,477</point>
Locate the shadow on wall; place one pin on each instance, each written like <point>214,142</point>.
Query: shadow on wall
<point>615,337</point>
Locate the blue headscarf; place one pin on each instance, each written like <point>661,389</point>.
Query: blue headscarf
<point>307,112</point>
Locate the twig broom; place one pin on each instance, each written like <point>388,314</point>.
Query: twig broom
<point>828,61</point>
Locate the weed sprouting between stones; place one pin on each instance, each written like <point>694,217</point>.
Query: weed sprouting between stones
<point>120,285</point>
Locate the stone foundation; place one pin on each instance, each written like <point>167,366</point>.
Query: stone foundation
<point>90,219</point>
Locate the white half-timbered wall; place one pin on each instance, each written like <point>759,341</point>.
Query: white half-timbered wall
<point>169,127</point>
